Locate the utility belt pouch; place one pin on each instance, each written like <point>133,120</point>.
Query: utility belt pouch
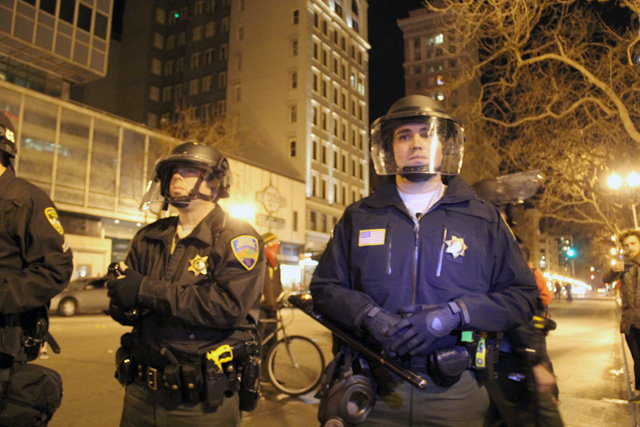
<point>191,383</point>
<point>171,382</point>
<point>216,382</point>
<point>446,366</point>
<point>125,366</point>
<point>250,387</point>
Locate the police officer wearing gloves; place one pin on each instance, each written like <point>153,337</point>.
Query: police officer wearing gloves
<point>420,261</point>
<point>189,284</point>
<point>35,265</point>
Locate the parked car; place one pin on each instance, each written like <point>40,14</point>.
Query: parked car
<point>87,295</point>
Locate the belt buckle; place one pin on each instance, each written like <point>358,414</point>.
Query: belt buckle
<point>152,378</point>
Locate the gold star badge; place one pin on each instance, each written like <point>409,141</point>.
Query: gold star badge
<point>456,246</point>
<point>198,265</point>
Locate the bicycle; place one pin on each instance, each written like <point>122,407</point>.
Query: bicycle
<point>295,364</point>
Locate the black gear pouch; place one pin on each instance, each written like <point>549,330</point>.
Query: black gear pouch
<point>126,367</point>
<point>33,394</point>
<point>446,366</point>
<point>191,383</point>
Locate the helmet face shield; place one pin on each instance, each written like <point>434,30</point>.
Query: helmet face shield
<point>417,141</point>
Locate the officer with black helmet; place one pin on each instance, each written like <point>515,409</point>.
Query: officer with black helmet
<point>190,287</point>
<point>424,270</point>
<point>35,265</point>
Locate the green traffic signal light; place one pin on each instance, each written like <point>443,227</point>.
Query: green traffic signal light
<point>571,253</point>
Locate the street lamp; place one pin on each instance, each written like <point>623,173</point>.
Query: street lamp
<point>630,185</point>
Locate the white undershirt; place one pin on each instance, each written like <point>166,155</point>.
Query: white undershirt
<point>421,203</point>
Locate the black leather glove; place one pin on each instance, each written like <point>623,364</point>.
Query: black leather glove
<point>377,321</point>
<point>124,290</point>
<point>425,324</point>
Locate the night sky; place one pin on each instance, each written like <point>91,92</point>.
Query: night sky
<point>386,74</point>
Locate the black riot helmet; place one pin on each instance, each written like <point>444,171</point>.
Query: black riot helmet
<point>213,167</point>
<point>444,134</point>
<point>7,140</point>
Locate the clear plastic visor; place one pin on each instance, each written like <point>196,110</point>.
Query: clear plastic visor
<point>417,144</point>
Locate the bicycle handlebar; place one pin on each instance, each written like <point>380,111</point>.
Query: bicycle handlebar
<point>306,306</point>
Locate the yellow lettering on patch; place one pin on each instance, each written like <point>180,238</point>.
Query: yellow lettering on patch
<point>52,216</point>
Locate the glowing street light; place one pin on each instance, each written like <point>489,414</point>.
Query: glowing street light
<point>631,183</point>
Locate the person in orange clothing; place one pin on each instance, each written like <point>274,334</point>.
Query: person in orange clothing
<point>545,293</point>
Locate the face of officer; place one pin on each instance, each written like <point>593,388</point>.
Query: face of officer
<point>184,178</point>
<point>631,246</point>
<point>413,146</point>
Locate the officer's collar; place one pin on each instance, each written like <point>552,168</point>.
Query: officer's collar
<point>7,176</point>
<point>386,194</point>
<point>213,221</point>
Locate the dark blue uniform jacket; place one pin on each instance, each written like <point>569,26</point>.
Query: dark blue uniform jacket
<point>380,254</point>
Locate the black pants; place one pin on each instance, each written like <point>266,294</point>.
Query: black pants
<point>633,341</point>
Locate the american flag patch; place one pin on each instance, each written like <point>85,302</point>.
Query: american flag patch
<point>371,237</point>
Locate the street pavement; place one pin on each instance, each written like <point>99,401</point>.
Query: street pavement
<point>586,349</point>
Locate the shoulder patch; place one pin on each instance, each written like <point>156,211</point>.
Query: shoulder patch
<point>52,216</point>
<point>245,248</point>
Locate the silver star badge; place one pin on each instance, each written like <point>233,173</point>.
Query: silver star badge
<point>456,246</point>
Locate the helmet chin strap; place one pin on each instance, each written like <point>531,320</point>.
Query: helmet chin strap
<point>413,174</point>
<point>184,201</point>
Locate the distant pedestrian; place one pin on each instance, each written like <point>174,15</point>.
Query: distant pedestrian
<point>558,290</point>
<point>568,289</point>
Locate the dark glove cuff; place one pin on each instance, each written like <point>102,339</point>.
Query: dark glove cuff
<point>367,312</point>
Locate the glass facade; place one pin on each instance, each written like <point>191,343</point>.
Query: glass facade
<point>88,162</point>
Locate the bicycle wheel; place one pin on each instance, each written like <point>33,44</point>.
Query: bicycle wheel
<point>295,365</point>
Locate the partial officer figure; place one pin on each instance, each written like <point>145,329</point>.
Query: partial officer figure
<point>190,282</point>
<point>35,260</point>
<point>419,261</point>
<point>272,289</point>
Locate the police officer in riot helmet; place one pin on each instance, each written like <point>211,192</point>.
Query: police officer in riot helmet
<point>424,270</point>
<point>35,265</point>
<point>190,287</point>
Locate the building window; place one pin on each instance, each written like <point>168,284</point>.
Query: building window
<point>312,220</point>
<point>222,80</point>
<point>292,147</point>
<point>337,7</point>
<point>294,48</point>
<point>240,32</point>
<point>197,34</point>
<point>239,62</point>
<point>168,68</point>
<point>194,86</point>
<point>224,51</point>
<point>207,57</point>
<point>198,8</point>
<point>160,15</point>
<point>156,67</point>
<point>178,92</point>
<point>166,94</point>
<point>314,150</point>
<point>181,38</point>
<point>324,154</point>
<point>195,60</point>
<point>238,91</point>
<point>171,42</point>
<point>225,24</point>
<point>315,116</point>
<point>158,41</point>
<point>323,194</point>
<point>210,29</point>
<point>179,65</point>
<point>293,114</point>
<point>314,186</point>
<point>316,48</point>
<point>293,78</point>
<point>296,16</point>
<point>295,221</point>
<point>154,93</point>
<point>206,83</point>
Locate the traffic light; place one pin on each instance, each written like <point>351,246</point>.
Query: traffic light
<point>571,253</point>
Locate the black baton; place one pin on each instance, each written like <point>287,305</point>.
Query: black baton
<point>305,304</point>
